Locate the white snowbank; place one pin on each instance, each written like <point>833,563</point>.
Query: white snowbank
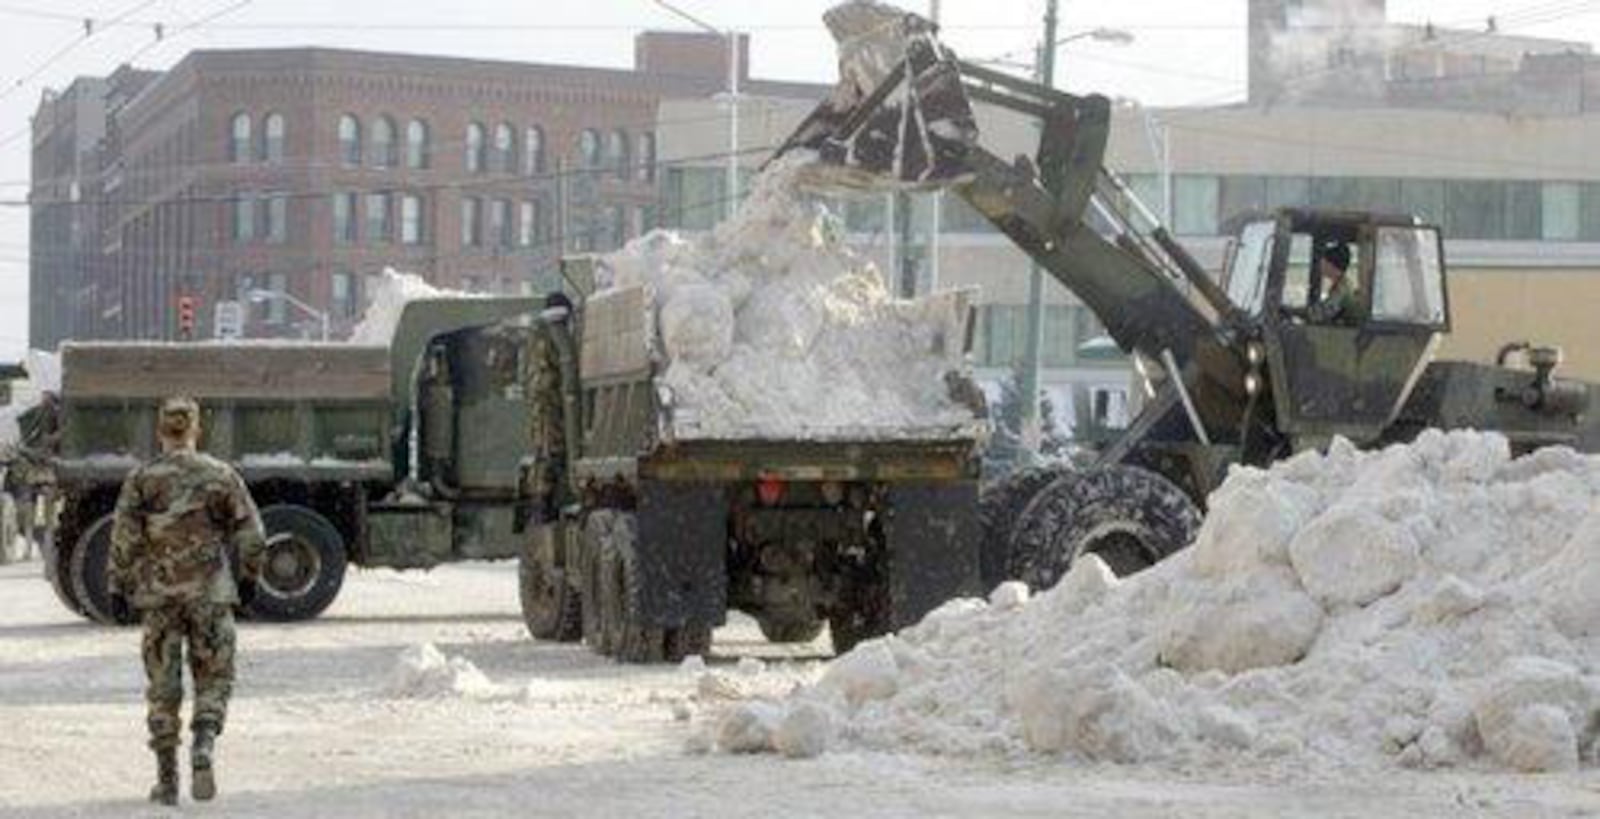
<point>424,672</point>
<point>1428,605</point>
<point>393,291</point>
<point>771,327</point>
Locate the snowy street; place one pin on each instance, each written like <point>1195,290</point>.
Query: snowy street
<point>317,729</point>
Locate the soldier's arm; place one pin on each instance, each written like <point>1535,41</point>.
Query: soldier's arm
<point>249,537</point>
<point>127,536</point>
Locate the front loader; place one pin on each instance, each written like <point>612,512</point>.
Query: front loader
<point>1247,367</point>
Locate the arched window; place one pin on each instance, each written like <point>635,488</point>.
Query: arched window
<point>589,148</point>
<point>239,138</point>
<point>385,153</point>
<point>505,148</point>
<point>617,153</point>
<point>417,148</point>
<point>475,148</point>
<point>350,140</point>
<point>272,130</point>
<point>647,157</point>
<point>533,150</point>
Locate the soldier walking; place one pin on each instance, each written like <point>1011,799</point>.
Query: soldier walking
<point>176,519</point>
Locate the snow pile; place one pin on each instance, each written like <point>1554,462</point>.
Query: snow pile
<point>771,327</point>
<point>393,291</point>
<point>1428,605</point>
<point>424,672</point>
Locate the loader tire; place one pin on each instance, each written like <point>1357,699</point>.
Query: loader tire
<point>1129,516</point>
<point>626,635</point>
<point>1000,506</point>
<point>8,527</point>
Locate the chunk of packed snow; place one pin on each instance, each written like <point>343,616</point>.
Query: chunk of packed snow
<point>423,671</point>
<point>770,326</point>
<point>1438,613</point>
<point>748,728</point>
<point>389,297</point>
<point>804,732</point>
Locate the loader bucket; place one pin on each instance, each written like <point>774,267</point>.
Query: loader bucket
<point>899,117</point>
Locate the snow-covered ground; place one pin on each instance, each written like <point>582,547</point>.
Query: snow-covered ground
<point>320,727</point>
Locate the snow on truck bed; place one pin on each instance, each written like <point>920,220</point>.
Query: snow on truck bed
<point>770,327</point>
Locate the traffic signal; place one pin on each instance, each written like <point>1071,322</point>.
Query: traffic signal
<point>186,307</point>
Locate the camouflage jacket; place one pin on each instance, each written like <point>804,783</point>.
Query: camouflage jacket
<point>175,519</point>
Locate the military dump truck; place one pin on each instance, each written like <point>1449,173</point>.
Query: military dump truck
<point>1246,367</point>
<point>405,456</point>
<point>641,540</point>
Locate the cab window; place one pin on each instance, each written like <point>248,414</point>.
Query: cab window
<point>1297,273</point>
<point>1247,275</point>
<point>1408,280</point>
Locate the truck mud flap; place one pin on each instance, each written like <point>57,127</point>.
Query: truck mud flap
<point>931,531</point>
<point>682,552</point>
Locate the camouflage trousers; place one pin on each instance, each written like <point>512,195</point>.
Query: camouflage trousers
<point>207,629</point>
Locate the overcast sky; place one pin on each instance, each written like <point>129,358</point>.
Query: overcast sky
<point>1184,51</point>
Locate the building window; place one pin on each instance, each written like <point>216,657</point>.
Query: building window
<point>589,149</point>
<point>350,140</point>
<point>276,211</point>
<point>533,150</point>
<point>272,131</point>
<point>505,149</point>
<point>617,154</point>
<point>1475,209</point>
<point>380,225</point>
<point>500,225</point>
<point>527,217</point>
<point>417,144</point>
<point>344,218</point>
<point>342,295</point>
<point>647,157</point>
<point>646,219</point>
<point>1561,211</point>
<point>239,138</point>
<point>1196,201</point>
<point>244,217</point>
<point>476,161</point>
<point>277,310</point>
<point>411,219</point>
<point>385,150</point>
<point>471,221</point>
<point>616,227</point>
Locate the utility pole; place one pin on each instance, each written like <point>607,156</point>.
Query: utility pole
<point>1031,433</point>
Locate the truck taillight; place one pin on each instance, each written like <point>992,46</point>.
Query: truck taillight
<point>769,491</point>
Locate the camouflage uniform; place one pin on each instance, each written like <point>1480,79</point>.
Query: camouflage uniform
<point>175,520</point>
<point>546,422</point>
<point>30,479</point>
<point>1337,305</point>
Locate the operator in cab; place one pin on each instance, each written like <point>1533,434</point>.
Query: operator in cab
<point>1338,302</point>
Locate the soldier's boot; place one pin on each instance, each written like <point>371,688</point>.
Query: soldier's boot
<point>165,791</point>
<point>203,785</point>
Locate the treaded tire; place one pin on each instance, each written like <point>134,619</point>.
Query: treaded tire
<point>551,607</point>
<point>77,515</point>
<point>8,527</point>
<point>317,548</point>
<point>1130,517</point>
<point>89,570</point>
<point>1000,506</point>
<point>594,634</point>
<point>623,633</point>
<point>790,631</point>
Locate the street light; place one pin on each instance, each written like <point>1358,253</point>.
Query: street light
<point>259,296</point>
<point>733,98</point>
<point>1045,68</point>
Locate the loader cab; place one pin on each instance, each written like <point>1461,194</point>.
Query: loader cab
<point>1349,307</point>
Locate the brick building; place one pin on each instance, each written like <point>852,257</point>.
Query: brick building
<point>305,171</point>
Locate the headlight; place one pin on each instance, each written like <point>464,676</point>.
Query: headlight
<point>1255,352</point>
<point>1252,384</point>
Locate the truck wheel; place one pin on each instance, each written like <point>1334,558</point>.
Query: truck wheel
<point>76,517</point>
<point>591,614</point>
<point>789,630</point>
<point>999,507</point>
<point>620,589</point>
<point>91,560</point>
<point>1129,516</point>
<point>304,565</point>
<point>551,608</point>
